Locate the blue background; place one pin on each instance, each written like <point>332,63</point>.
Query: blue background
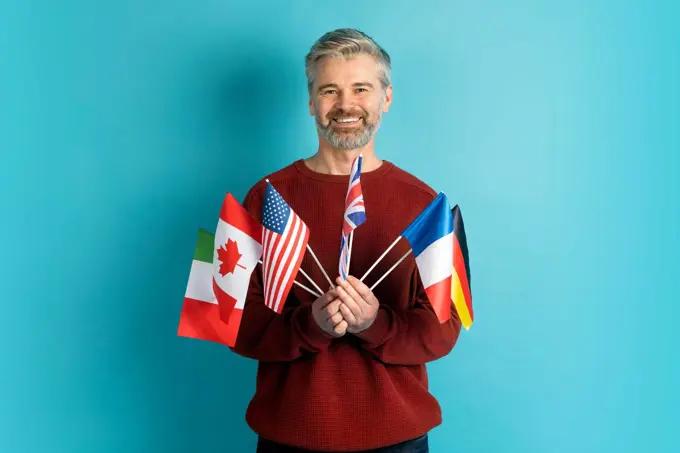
<point>555,126</point>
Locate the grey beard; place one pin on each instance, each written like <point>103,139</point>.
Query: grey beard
<point>350,142</point>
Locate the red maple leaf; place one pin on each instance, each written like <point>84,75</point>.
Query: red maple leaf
<point>229,256</point>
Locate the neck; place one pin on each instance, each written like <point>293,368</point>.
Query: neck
<point>331,161</point>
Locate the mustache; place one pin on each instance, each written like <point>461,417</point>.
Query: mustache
<point>346,113</point>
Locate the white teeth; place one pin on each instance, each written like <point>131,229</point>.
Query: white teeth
<point>346,120</point>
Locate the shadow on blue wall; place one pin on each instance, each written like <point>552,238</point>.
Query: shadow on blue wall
<point>197,392</point>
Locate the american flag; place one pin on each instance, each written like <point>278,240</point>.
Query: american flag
<point>284,239</point>
<point>355,214</point>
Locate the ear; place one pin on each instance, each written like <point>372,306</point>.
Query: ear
<point>311,106</point>
<point>388,99</point>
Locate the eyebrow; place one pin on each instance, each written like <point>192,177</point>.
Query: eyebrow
<point>357,84</point>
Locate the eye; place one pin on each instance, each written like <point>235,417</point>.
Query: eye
<point>362,90</point>
<point>328,92</point>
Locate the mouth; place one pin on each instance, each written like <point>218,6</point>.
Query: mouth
<point>347,121</point>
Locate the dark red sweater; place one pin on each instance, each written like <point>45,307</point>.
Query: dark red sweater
<point>355,392</point>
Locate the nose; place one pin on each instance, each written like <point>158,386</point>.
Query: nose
<point>344,101</point>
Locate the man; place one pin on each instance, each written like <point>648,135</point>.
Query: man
<point>346,372</point>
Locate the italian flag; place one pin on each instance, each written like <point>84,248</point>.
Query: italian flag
<point>220,276</point>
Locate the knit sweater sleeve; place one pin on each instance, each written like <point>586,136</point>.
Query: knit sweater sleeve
<point>267,336</point>
<point>413,336</point>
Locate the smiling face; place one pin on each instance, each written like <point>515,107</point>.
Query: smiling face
<point>348,101</point>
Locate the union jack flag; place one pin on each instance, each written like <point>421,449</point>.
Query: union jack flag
<point>284,238</point>
<point>355,215</point>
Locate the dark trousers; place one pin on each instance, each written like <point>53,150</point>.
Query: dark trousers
<point>419,445</point>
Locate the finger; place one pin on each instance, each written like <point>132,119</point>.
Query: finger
<point>363,290</point>
<point>348,301</point>
<point>340,328</point>
<point>332,308</point>
<point>335,319</point>
<point>358,298</point>
<point>328,299</point>
<point>347,314</point>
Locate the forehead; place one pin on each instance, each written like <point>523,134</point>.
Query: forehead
<point>345,71</point>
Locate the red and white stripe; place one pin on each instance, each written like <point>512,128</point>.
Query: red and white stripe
<point>282,256</point>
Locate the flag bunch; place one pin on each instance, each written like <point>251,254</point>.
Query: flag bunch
<point>223,265</point>
<point>435,237</point>
<point>224,262</point>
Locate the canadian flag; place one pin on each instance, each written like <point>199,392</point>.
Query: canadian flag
<point>238,248</point>
<point>220,275</point>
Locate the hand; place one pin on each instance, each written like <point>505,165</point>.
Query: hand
<point>326,312</point>
<point>359,305</point>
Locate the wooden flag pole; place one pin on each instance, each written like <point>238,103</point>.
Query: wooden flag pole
<point>307,289</point>
<point>312,282</point>
<point>391,269</point>
<point>349,251</point>
<point>320,267</point>
<point>304,287</point>
<point>381,257</point>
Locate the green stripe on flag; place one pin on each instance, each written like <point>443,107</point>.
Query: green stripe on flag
<point>205,245</point>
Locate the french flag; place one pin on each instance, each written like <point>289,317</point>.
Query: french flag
<point>431,238</point>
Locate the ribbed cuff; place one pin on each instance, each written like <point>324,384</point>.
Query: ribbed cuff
<point>376,333</point>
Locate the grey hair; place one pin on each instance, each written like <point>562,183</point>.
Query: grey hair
<point>344,43</point>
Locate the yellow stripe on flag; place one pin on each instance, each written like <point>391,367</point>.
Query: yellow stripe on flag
<point>459,301</point>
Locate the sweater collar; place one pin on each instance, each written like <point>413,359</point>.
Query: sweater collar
<point>301,167</point>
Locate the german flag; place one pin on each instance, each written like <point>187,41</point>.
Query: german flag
<point>460,281</point>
